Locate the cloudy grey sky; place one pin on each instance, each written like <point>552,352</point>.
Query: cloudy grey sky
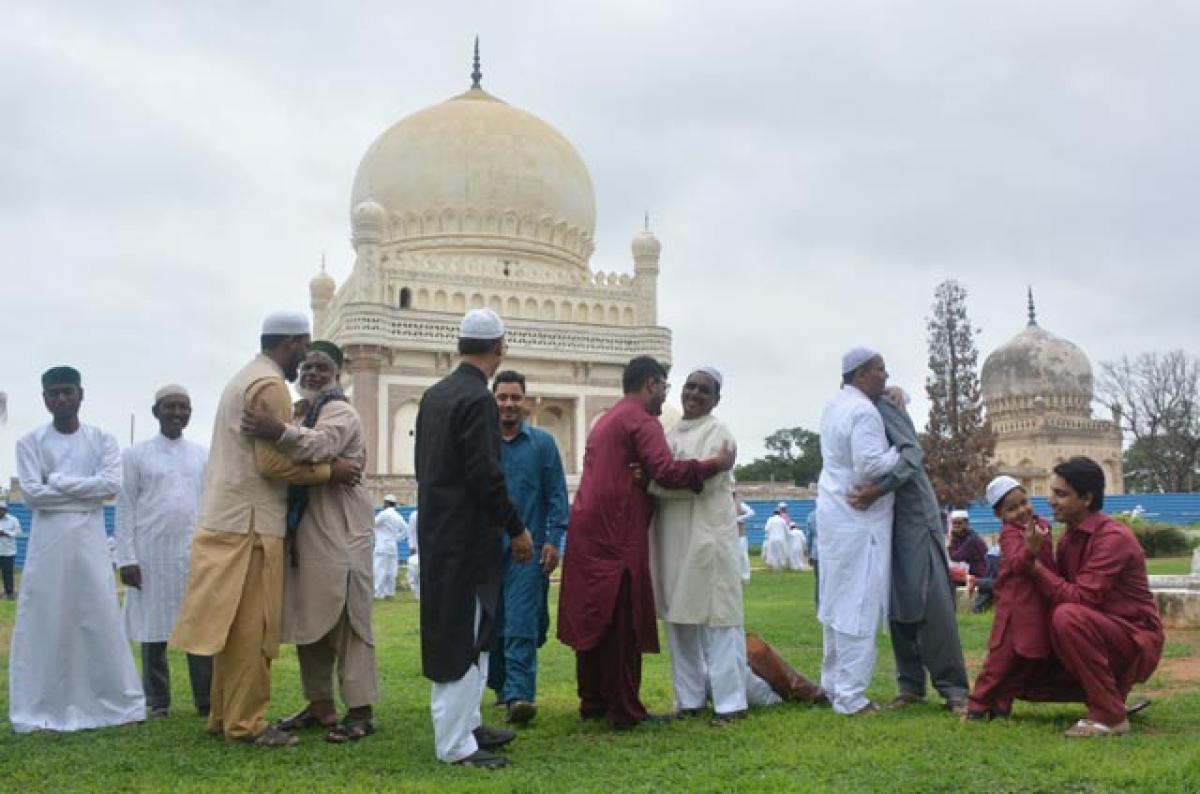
<point>168,174</point>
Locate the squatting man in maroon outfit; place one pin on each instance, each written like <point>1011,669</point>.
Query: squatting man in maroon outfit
<point>1104,630</point>
<point>606,611</point>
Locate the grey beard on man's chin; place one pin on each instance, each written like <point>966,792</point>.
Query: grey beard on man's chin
<point>307,394</point>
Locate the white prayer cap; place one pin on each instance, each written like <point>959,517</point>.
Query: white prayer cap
<point>782,506</point>
<point>1000,487</point>
<point>171,390</point>
<point>856,357</point>
<point>713,373</point>
<point>389,498</point>
<point>481,324</point>
<point>955,515</point>
<point>286,323</point>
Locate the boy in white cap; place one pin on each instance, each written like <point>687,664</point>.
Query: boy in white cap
<point>10,530</point>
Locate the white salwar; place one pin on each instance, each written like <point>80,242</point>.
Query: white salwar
<point>775,544</point>
<point>389,528</point>
<point>455,708</point>
<point>70,667</point>
<point>156,512</point>
<point>697,577</point>
<point>745,513</point>
<point>413,564</point>
<point>855,546</point>
<point>796,549</point>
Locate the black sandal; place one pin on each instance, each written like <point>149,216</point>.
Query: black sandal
<point>302,719</point>
<point>350,729</point>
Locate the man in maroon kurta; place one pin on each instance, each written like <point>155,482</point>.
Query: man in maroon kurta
<point>606,612</point>
<point>1104,625</point>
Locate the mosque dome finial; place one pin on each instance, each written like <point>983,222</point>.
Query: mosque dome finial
<point>476,73</point>
<point>1032,310</point>
<point>645,245</point>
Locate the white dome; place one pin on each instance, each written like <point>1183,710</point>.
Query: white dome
<point>645,245</point>
<point>476,166</point>
<point>1037,369</point>
<point>368,220</point>
<point>322,285</point>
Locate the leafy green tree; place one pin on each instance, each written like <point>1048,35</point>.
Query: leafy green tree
<point>793,455</point>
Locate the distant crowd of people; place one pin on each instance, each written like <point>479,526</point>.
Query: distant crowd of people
<point>269,537</point>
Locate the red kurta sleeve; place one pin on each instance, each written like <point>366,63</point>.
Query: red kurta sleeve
<point>660,465</point>
<point>1106,558</point>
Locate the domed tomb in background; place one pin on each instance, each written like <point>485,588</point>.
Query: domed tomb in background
<point>470,203</point>
<point>1037,389</point>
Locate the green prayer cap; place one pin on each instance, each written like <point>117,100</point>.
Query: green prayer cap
<point>61,376</point>
<point>329,349</point>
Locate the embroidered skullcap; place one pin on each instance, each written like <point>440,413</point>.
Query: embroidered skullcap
<point>286,323</point>
<point>856,357</point>
<point>61,376</point>
<point>955,515</point>
<point>481,324</point>
<point>171,390</point>
<point>713,373</point>
<point>390,498</point>
<point>329,349</point>
<point>1000,487</point>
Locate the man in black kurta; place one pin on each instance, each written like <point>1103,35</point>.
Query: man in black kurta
<point>464,508</point>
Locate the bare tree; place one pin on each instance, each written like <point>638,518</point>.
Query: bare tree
<point>958,444</point>
<point>1156,400</point>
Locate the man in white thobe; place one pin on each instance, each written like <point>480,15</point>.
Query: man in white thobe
<point>744,513</point>
<point>389,528</point>
<point>10,530</point>
<point>796,549</point>
<point>412,568</point>
<point>694,565</point>
<point>70,666</point>
<point>156,511</point>
<point>855,545</point>
<point>775,539</point>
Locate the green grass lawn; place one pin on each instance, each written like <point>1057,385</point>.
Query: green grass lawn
<point>787,748</point>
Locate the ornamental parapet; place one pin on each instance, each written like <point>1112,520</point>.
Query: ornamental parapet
<point>372,324</point>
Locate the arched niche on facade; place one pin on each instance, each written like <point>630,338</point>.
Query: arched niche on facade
<point>404,439</point>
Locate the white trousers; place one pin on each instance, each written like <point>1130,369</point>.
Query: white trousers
<point>455,708</point>
<point>744,554</point>
<point>846,669</point>
<point>385,575</point>
<point>759,692</point>
<point>413,572</point>
<point>708,659</point>
<point>775,553</point>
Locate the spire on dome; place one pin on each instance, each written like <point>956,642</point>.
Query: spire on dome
<point>1032,310</point>
<point>322,261</point>
<point>647,220</point>
<point>476,74</point>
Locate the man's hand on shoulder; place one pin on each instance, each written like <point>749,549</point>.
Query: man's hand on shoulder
<point>260,423</point>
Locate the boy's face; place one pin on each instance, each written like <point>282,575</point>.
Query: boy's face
<point>1015,509</point>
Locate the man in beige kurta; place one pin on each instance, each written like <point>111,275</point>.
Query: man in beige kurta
<point>231,608</point>
<point>695,568</point>
<point>327,582</point>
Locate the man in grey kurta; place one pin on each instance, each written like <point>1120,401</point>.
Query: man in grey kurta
<point>921,615</point>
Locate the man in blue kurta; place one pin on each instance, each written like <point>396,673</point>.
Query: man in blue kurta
<point>533,472</point>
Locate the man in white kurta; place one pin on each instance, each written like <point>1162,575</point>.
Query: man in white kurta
<point>70,667</point>
<point>413,565</point>
<point>694,565</point>
<point>744,513</point>
<point>389,528</point>
<point>775,540</point>
<point>156,511</point>
<point>855,545</point>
